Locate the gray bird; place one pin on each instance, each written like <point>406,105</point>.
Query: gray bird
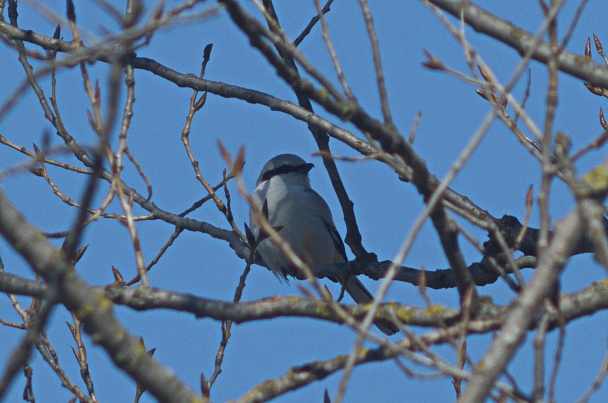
<point>303,220</point>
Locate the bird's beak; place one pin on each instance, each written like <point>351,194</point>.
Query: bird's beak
<point>307,167</point>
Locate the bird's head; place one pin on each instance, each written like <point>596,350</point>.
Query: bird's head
<point>289,167</point>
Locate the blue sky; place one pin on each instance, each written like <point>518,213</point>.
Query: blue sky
<point>496,178</point>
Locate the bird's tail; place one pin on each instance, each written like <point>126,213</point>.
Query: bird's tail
<point>361,295</point>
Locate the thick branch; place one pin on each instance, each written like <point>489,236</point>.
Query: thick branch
<point>572,306</point>
<point>523,41</point>
<point>91,307</point>
<point>141,299</point>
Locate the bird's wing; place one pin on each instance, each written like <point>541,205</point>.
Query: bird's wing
<point>325,215</point>
<point>335,237</point>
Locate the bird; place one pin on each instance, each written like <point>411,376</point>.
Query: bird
<point>303,219</point>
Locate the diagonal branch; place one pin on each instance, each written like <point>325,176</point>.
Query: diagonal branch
<point>524,42</point>
<point>568,231</point>
<point>91,307</point>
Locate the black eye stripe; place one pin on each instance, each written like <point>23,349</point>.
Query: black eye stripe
<point>285,169</point>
